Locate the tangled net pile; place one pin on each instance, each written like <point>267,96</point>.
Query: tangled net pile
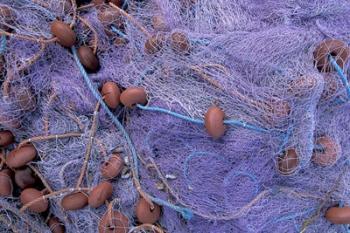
<point>275,70</point>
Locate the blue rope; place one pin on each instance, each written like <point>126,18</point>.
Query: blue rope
<point>174,114</point>
<point>245,125</point>
<point>105,107</point>
<point>120,33</point>
<point>185,212</point>
<point>3,44</point>
<point>341,75</point>
<point>201,122</point>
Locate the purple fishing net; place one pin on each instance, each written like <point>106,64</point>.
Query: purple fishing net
<point>252,58</point>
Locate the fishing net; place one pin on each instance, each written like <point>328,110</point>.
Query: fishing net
<point>281,162</point>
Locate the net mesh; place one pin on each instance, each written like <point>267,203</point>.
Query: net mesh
<point>255,59</point>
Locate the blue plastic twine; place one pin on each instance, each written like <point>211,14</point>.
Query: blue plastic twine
<point>3,44</point>
<point>169,112</point>
<point>185,212</point>
<point>201,122</point>
<point>341,75</point>
<point>105,107</point>
<point>120,33</point>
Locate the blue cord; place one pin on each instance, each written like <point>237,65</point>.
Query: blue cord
<point>174,114</point>
<point>185,212</point>
<point>3,44</point>
<point>341,74</point>
<point>198,121</point>
<point>120,33</point>
<point>105,107</point>
<point>245,125</point>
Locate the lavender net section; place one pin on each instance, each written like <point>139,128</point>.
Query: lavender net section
<point>252,58</point>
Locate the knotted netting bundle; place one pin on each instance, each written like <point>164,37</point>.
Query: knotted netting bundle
<point>174,116</point>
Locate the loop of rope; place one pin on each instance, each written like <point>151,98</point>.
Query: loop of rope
<point>341,75</point>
